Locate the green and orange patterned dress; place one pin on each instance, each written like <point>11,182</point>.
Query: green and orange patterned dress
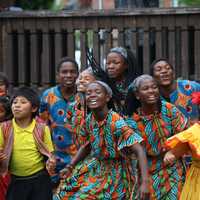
<point>166,181</point>
<point>106,174</point>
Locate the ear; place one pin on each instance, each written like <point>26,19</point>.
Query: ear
<point>137,96</point>
<point>34,109</point>
<point>108,98</point>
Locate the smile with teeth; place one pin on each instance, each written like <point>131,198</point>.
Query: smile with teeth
<point>93,102</point>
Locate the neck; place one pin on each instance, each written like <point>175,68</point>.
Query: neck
<point>149,109</point>
<point>100,115</point>
<point>23,123</point>
<point>67,92</point>
<point>167,90</point>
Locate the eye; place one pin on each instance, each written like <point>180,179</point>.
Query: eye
<point>158,68</point>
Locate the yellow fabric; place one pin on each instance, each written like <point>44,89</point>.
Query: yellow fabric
<point>26,159</point>
<point>192,184</point>
<point>190,136</point>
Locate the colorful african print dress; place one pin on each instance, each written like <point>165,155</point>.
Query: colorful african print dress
<point>75,118</point>
<point>53,109</point>
<point>182,98</point>
<point>190,136</point>
<point>166,181</point>
<point>105,176</point>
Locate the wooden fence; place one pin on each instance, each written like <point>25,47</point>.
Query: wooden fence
<point>31,43</point>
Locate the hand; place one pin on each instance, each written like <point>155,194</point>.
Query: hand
<point>51,165</point>
<point>66,172</point>
<point>144,190</point>
<point>2,155</point>
<point>169,157</point>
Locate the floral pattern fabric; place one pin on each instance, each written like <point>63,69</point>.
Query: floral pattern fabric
<point>53,109</point>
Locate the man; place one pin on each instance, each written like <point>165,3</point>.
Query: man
<point>54,103</point>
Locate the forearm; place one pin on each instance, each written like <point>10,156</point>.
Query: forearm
<point>81,154</point>
<point>180,150</point>
<point>138,150</point>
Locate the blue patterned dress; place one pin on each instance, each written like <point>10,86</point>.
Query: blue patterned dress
<point>181,97</point>
<point>53,109</point>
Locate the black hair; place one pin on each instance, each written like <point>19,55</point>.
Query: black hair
<point>66,59</point>
<point>4,79</point>
<point>5,102</point>
<point>30,94</point>
<point>158,60</point>
<point>130,74</point>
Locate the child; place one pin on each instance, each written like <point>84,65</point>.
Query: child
<point>105,138</point>
<point>5,114</point>
<point>188,141</point>
<point>4,84</point>
<point>24,142</point>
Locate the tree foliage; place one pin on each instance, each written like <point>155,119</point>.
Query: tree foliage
<point>36,4</point>
<point>190,2</point>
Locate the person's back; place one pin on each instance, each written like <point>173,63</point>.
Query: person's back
<point>26,143</point>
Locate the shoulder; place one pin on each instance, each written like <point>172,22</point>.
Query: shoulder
<point>188,85</point>
<point>49,91</point>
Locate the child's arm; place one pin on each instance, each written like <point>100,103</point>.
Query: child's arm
<point>80,155</point>
<point>144,188</point>
<point>176,152</point>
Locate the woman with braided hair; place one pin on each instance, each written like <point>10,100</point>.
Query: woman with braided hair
<point>121,70</point>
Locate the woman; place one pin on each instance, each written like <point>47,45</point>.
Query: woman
<point>121,68</point>
<point>184,142</point>
<point>77,111</point>
<point>156,121</point>
<point>106,137</point>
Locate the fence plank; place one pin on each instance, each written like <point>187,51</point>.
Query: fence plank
<point>43,25</point>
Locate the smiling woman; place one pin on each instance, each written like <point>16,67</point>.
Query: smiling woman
<point>106,137</point>
<point>155,121</point>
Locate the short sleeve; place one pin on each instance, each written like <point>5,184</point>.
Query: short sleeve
<point>43,110</point>
<point>128,136</point>
<point>179,121</point>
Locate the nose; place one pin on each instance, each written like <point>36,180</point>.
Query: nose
<point>110,66</point>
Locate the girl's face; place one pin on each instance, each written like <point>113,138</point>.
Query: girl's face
<point>83,80</point>
<point>2,112</point>
<point>115,66</point>
<point>148,92</point>
<point>163,73</point>
<point>22,108</point>
<point>96,96</point>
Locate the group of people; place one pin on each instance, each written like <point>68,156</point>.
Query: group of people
<point>112,134</point>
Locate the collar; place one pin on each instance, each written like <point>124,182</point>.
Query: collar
<point>29,128</point>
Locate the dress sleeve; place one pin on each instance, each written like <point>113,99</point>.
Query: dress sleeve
<point>43,110</point>
<point>179,121</point>
<point>127,136</point>
<point>191,136</point>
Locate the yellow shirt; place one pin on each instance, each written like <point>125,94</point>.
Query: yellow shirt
<point>25,158</point>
